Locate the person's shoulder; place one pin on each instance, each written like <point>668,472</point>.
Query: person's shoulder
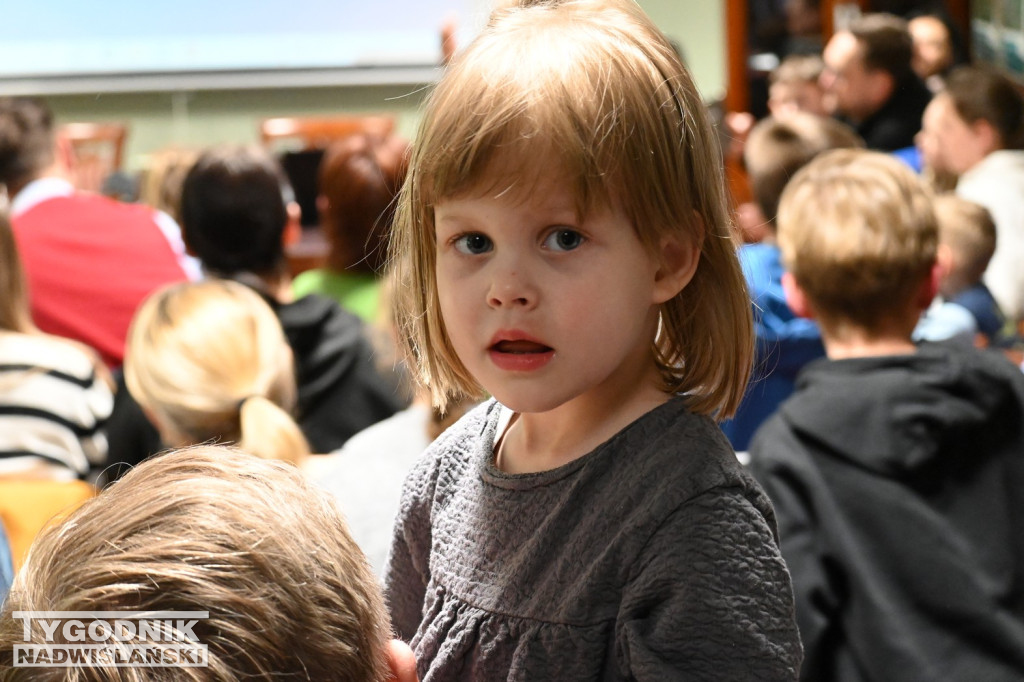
<point>987,364</point>
<point>75,360</point>
<point>674,455</point>
<point>309,282</point>
<point>759,261</point>
<point>318,315</point>
<point>758,254</point>
<point>453,454</point>
<point>987,181</point>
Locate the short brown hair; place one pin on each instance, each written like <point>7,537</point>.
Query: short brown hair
<point>798,68</point>
<point>615,108</point>
<point>777,148</point>
<point>26,138</point>
<point>234,210</point>
<point>886,44</point>
<point>982,93</point>
<point>858,232</point>
<point>214,529</point>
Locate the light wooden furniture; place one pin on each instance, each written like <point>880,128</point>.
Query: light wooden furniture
<point>318,132</point>
<point>300,143</point>
<point>97,151</point>
<point>28,505</point>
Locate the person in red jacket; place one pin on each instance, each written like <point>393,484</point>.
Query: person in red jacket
<point>89,260</point>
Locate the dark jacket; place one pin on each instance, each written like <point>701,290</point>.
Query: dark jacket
<point>341,389</point>
<point>894,125</point>
<point>898,484</point>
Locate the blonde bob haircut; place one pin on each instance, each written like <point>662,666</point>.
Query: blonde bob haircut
<point>209,361</point>
<point>210,528</point>
<point>858,232</point>
<point>590,89</point>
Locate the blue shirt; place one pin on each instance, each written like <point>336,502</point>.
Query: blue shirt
<point>980,303</point>
<point>785,343</point>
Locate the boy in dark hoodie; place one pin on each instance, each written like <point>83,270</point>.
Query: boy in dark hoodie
<point>896,471</point>
<point>238,218</point>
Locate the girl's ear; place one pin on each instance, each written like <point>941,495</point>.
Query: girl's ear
<point>678,256</point>
<point>796,299</point>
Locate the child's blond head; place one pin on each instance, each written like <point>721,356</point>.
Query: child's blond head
<point>858,233</point>
<point>967,230</point>
<point>591,90</point>
<point>210,362</point>
<point>250,541</point>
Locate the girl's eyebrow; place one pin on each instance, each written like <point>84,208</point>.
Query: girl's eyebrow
<point>450,217</point>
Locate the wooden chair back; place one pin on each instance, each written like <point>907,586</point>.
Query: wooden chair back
<point>97,151</point>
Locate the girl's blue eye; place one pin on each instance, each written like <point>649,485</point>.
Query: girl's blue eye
<point>473,244</point>
<point>563,240</point>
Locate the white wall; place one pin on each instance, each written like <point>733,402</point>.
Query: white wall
<point>196,119</point>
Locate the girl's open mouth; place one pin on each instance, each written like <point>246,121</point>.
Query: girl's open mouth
<point>520,355</point>
<point>520,347</point>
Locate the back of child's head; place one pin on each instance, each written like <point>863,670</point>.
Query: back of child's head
<point>359,179</point>
<point>793,85</point>
<point>968,231</point>
<point>264,552</point>
<point>797,68</point>
<point>778,147</point>
<point>234,211</point>
<point>210,362</point>
<point>592,92</point>
<point>26,138</point>
<point>858,233</point>
<point>14,309</point>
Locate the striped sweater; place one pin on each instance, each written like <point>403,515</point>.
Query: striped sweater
<point>53,408</point>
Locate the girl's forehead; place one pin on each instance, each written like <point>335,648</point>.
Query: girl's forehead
<point>543,178</point>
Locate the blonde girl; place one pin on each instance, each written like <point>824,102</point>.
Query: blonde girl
<point>562,244</point>
<point>207,362</point>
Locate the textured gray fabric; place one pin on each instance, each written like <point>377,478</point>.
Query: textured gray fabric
<point>651,558</point>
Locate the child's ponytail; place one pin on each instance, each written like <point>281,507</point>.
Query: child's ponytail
<point>269,432</point>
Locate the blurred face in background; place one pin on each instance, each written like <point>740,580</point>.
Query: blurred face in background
<point>933,47</point>
<point>851,88</point>
<point>786,98</point>
<point>947,142</point>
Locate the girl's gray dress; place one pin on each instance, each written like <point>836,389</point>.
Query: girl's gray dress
<point>654,557</point>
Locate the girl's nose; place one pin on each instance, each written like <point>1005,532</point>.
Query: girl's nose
<point>512,288</point>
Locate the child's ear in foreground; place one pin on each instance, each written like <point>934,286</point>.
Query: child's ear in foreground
<point>678,256</point>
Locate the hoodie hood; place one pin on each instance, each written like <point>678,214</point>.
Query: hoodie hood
<point>896,414</point>
<point>325,339</point>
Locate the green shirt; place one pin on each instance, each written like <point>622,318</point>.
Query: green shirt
<point>357,293</point>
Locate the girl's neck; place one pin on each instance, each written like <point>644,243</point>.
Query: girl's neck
<point>535,442</point>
